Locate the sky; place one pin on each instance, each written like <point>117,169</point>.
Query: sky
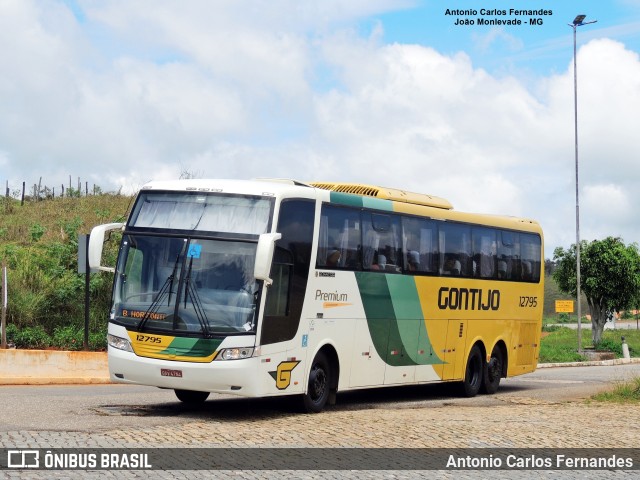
<point>421,95</point>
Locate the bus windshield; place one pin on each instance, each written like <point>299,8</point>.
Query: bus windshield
<point>205,212</point>
<point>185,285</point>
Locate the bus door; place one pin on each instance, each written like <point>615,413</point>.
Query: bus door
<point>285,296</point>
<point>526,343</point>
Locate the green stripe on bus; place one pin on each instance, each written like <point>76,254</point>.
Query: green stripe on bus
<point>377,203</point>
<point>353,200</point>
<point>346,199</point>
<point>192,347</point>
<point>394,316</point>
<point>378,309</point>
<point>406,306</point>
<point>381,318</point>
<point>411,326</point>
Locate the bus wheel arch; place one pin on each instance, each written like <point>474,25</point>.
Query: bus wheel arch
<point>474,371</point>
<point>495,368</point>
<point>322,381</point>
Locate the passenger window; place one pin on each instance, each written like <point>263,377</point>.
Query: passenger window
<point>530,249</point>
<point>421,245</point>
<point>455,250</point>
<point>339,238</point>
<point>484,254</point>
<point>509,256</point>
<point>381,248</point>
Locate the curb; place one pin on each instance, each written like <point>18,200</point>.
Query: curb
<point>54,380</point>
<point>52,367</point>
<point>592,363</point>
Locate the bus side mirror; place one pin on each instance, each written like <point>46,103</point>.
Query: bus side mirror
<point>96,241</point>
<point>264,256</point>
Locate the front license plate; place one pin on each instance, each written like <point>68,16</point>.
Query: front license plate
<point>166,372</point>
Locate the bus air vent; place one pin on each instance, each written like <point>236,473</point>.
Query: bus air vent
<point>385,193</point>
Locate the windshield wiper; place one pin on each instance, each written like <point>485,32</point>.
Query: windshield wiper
<point>172,277</point>
<point>190,291</point>
<point>168,284</point>
<point>153,308</point>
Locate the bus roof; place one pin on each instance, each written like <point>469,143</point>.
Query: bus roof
<point>405,202</point>
<point>267,187</point>
<point>281,184</point>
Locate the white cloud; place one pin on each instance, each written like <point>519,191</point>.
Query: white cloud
<point>439,122</point>
<point>484,42</point>
<point>607,201</point>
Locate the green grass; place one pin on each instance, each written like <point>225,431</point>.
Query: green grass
<point>44,221</point>
<point>560,344</point>
<point>38,244</point>
<point>623,392</point>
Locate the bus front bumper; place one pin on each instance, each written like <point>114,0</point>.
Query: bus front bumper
<point>236,377</point>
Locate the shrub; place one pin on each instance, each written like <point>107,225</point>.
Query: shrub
<point>551,328</point>
<point>29,337</point>
<point>98,341</point>
<point>68,338</point>
<point>37,231</point>
<point>610,345</point>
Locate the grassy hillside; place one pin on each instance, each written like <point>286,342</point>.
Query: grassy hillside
<point>39,246</point>
<point>46,221</point>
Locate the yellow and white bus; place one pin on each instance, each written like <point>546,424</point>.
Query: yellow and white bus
<point>275,287</point>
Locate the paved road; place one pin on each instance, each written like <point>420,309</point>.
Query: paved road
<point>545,409</point>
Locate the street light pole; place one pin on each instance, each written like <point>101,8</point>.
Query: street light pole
<point>577,22</point>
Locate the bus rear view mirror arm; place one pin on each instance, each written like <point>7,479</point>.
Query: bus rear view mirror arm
<point>264,256</point>
<point>96,241</point>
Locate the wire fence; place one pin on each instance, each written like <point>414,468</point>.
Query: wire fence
<point>37,191</point>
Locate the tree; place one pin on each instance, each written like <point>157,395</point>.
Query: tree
<point>609,277</point>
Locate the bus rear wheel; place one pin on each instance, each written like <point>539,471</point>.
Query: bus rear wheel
<point>493,372</point>
<point>474,373</point>
<point>191,397</point>
<point>319,386</point>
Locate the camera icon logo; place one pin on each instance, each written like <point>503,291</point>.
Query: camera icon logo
<point>23,459</point>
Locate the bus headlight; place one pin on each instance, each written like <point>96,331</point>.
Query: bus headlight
<point>119,343</point>
<point>235,353</point>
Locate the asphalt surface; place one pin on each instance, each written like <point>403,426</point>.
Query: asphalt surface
<point>549,408</point>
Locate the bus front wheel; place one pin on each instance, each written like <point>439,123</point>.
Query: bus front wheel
<point>474,373</point>
<point>191,396</point>
<point>319,386</point>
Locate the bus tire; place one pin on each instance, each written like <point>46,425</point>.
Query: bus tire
<point>493,372</point>
<point>191,396</point>
<point>319,386</point>
<point>474,373</point>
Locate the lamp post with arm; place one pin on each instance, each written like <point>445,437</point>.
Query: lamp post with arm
<point>577,22</point>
